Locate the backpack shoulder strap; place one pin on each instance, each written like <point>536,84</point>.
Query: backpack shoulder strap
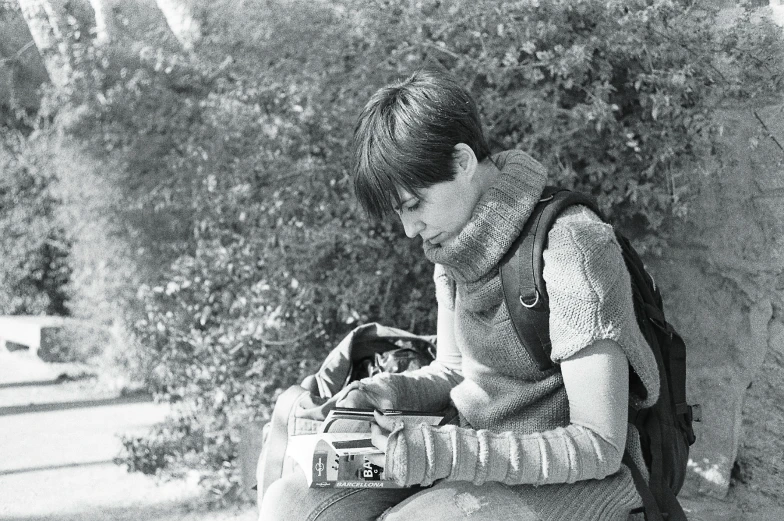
<point>521,272</point>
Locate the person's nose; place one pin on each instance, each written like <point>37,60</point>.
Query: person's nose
<point>412,225</point>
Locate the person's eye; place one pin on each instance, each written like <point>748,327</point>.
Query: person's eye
<point>413,207</point>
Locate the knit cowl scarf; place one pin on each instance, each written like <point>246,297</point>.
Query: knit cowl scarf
<point>472,258</point>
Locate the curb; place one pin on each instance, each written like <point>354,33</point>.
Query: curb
<point>57,406</point>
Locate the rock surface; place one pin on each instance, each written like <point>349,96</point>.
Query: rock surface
<point>723,283</point>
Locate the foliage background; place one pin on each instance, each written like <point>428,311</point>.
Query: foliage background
<point>199,204</point>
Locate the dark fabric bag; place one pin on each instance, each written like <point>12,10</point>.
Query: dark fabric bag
<point>666,427</point>
<point>367,350</point>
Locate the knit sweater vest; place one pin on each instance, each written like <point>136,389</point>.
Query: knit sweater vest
<point>505,401</point>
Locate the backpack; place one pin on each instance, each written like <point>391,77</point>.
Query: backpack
<point>367,350</point>
<point>666,427</point>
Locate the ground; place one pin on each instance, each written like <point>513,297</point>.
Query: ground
<point>59,439</point>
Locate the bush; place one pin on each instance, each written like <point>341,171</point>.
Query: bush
<point>237,171</point>
<point>34,243</point>
<point>615,98</point>
<point>73,342</point>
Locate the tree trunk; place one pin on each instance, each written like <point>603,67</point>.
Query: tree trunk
<point>104,21</point>
<point>46,23</point>
<point>179,16</point>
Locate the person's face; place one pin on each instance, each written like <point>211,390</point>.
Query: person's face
<point>439,213</point>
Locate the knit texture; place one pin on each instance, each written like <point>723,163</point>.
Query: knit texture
<point>516,418</point>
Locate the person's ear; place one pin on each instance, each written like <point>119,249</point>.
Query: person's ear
<point>465,162</point>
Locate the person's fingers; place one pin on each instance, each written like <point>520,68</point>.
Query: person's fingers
<point>311,400</point>
<point>387,423</point>
<point>354,396</point>
<point>378,437</point>
<point>312,413</point>
<point>351,397</point>
<point>356,399</point>
<point>310,408</point>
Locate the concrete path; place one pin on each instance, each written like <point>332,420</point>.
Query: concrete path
<point>58,440</point>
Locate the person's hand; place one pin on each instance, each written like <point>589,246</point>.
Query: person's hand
<point>314,407</point>
<point>379,431</point>
<point>355,395</point>
<point>361,396</point>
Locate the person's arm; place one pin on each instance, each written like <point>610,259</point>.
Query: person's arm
<point>590,447</point>
<point>594,336</point>
<point>424,389</point>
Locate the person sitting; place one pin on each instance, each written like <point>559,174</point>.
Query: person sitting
<point>530,444</point>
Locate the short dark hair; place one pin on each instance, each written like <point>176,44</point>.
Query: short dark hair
<point>405,138</point>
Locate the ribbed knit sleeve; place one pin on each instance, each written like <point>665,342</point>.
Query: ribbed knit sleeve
<point>421,454</point>
<point>424,389</point>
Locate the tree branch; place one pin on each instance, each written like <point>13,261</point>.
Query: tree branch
<point>19,53</point>
<point>767,130</point>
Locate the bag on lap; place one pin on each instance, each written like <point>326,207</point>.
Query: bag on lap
<point>666,427</point>
<point>367,350</point>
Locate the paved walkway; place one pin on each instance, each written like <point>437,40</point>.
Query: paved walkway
<point>58,440</point>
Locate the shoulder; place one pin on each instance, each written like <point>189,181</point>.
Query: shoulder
<point>581,245</point>
<point>579,227</point>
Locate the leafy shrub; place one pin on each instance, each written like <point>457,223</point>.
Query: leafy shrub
<point>237,170</point>
<point>34,244</point>
<point>613,97</point>
<point>74,342</point>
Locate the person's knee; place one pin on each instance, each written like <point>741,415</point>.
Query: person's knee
<point>280,501</point>
<point>269,508</point>
<point>459,500</point>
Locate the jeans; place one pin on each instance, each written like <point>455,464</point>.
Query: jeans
<point>290,499</point>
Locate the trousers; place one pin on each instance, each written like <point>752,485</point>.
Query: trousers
<point>290,499</point>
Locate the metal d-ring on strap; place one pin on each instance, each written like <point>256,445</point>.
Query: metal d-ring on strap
<point>533,304</point>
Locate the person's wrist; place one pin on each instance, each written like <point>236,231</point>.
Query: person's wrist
<point>405,455</point>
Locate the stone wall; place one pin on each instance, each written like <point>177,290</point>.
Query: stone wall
<point>723,281</point>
